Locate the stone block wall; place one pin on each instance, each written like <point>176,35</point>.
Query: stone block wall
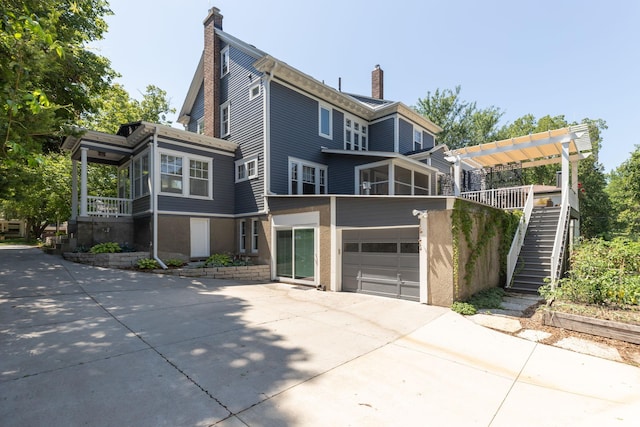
<point>250,272</point>
<point>118,260</point>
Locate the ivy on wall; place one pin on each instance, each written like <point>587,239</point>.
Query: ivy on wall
<point>468,217</point>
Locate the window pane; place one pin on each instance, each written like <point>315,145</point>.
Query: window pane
<point>284,260</point>
<point>325,121</point>
<point>409,248</point>
<point>403,175</point>
<point>199,187</point>
<point>420,180</point>
<point>304,250</point>
<point>383,247</point>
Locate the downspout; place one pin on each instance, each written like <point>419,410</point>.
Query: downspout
<point>154,196</point>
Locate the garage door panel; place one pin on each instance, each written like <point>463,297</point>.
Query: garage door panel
<point>375,258</point>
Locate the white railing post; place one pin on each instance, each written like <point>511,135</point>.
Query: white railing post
<point>556,255</point>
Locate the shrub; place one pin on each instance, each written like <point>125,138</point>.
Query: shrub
<point>106,248</point>
<point>488,298</point>
<point>147,264</point>
<point>218,260</point>
<point>463,308</point>
<point>602,272</point>
<point>174,262</point>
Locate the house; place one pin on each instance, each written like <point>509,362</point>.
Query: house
<point>340,191</point>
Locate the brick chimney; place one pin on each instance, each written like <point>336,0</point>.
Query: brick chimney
<point>212,73</point>
<point>377,83</point>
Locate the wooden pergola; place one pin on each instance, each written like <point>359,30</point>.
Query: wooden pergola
<point>566,146</point>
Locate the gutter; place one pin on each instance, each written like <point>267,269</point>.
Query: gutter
<point>154,197</point>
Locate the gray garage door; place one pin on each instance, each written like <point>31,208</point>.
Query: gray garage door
<point>381,262</point>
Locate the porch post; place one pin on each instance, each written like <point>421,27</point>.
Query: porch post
<point>456,177</point>
<point>565,168</point>
<point>83,182</point>
<point>574,176</point>
<point>74,189</point>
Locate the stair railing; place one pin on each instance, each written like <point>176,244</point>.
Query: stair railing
<point>518,238</point>
<point>559,243</point>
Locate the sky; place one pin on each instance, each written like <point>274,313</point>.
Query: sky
<point>559,57</point>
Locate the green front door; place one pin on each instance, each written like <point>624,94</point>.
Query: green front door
<point>295,253</point>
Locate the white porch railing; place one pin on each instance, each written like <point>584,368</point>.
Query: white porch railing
<point>518,239</point>
<point>108,206</point>
<point>501,198</point>
<point>559,244</point>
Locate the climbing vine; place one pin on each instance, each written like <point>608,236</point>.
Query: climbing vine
<point>488,222</point>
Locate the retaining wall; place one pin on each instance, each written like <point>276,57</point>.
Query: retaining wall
<point>118,260</point>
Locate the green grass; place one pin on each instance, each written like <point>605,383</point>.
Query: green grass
<point>19,241</point>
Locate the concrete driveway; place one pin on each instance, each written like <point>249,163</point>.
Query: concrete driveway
<point>88,346</point>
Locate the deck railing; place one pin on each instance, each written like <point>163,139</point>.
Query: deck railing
<point>501,198</point>
<point>108,206</point>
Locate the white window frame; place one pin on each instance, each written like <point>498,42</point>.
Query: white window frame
<point>186,174</point>
<point>141,188</point>
<point>225,126</point>
<point>326,107</point>
<point>242,236</point>
<point>255,235</point>
<point>418,138</point>
<point>391,182</point>
<point>225,61</point>
<point>355,129</point>
<point>252,89</point>
<point>247,164</point>
<point>200,126</point>
<point>320,172</point>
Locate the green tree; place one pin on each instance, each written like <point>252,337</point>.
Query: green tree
<point>624,191</point>
<point>48,77</point>
<point>44,195</point>
<point>462,122</point>
<point>116,107</point>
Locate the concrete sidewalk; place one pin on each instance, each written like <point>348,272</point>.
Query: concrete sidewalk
<point>87,346</point>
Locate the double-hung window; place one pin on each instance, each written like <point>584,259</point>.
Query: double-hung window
<point>185,175</point>
<point>307,177</point>
<point>325,121</point>
<point>417,139</point>
<point>355,134</point>
<point>225,122</point>
<point>224,61</point>
<point>198,178</point>
<point>242,246</point>
<point>140,174</point>
<point>254,235</point>
<point>246,169</point>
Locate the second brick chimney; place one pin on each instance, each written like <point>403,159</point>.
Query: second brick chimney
<point>211,71</point>
<point>377,83</point>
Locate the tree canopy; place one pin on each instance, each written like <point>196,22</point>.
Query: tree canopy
<point>624,191</point>
<point>48,76</point>
<point>464,124</point>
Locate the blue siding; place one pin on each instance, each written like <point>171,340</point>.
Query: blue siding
<point>382,135</point>
<point>438,161</point>
<point>223,177</point>
<point>342,172</point>
<point>428,140</point>
<point>141,204</point>
<point>294,132</point>
<point>197,111</point>
<point>405,136</point>
<point>246,128</point>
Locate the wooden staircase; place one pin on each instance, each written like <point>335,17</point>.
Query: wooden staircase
<point>534,262</point>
